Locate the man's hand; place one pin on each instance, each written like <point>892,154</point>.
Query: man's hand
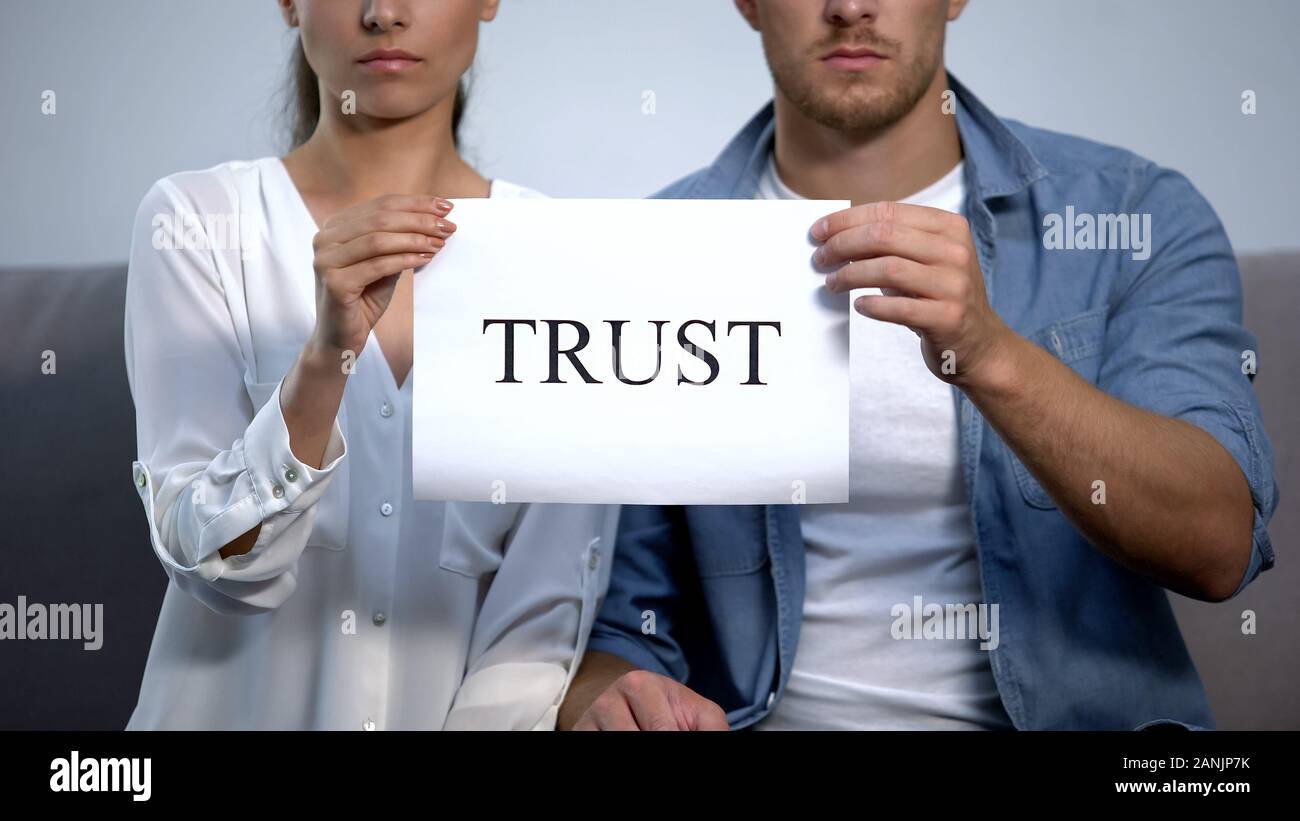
<point>617,696</point>
<point>924,262</point>
<point>1179,511</point>
<point>642,700</point>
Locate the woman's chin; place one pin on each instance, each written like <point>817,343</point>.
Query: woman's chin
<point>394,110</point>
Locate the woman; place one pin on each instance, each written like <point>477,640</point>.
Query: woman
<point>271,376</point>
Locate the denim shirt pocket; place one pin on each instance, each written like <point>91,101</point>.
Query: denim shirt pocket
<point>740,558</point>
<point>736,556</point>
<point>1077,342</point>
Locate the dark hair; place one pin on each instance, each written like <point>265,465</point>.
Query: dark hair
<point>304,100</point>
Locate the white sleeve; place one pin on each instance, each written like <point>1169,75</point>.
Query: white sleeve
<point>532,629</point>
<point>211,467</point>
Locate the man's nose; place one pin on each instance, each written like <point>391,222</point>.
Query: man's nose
<point>850,12</point>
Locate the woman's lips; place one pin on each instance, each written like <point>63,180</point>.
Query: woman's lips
<point>388,60</point>
<point>389,65</point>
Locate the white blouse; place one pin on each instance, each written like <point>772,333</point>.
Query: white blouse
<point>358,607</point>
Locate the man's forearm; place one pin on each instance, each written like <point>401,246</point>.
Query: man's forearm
<point>1177,506</point>
<point>598,672</point>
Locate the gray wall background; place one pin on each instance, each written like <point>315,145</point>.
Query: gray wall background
<point>148,87</point>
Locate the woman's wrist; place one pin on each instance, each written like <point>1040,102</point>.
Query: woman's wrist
<point>310,398</point>
<point>320,357</point>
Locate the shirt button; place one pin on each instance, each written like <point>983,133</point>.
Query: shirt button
<point>290,475</point>
<point>140,480</point>
<point>277,492</point>
<point>593,560</point>
<point>368,724</point>
<point>379,618</point>
<point>386,410</point>
<point>386,509</point>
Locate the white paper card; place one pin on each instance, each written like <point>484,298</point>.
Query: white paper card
<point>501,416</point>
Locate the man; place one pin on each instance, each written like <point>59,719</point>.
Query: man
<point>1074,433</point>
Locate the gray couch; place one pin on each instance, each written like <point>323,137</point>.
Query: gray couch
<point>73,531</point>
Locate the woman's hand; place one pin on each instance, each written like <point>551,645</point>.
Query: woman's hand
<point>360,253</point>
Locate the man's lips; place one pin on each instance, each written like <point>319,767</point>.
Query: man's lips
<point>388,60</point>
<point>853,59</point>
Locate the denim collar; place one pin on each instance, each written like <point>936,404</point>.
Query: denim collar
<point>1000,164</point>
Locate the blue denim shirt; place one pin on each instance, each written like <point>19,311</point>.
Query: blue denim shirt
<point>1084,643</point>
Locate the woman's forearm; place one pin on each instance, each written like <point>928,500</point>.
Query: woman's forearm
<point>309,401</point>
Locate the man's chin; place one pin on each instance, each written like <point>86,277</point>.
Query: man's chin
<point>863,102</point>
<point>853,113</point>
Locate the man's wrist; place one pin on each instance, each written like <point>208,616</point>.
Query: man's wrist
<point>598,672</point>
<point>1000,373</point>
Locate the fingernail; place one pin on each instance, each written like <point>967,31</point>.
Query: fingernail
<point>830,280</point>
<point>446,225</point>
<point>820,229</point>
<point>819,256</point>
<point>441,206</point>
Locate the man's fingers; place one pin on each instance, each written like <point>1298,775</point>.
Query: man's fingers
<point>609,712</point>
<point>651,706</point>
<point>641,700</point>
<point>707,715</point>
<point>920,217</point>
<point>885,239</point>
<point>893,275</point>
<point>902,310</point>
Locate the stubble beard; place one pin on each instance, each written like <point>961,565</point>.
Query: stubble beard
<point>853,105</point>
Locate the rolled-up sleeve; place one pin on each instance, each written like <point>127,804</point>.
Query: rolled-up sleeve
<point>651,550</point>
<point>211,465</point>
<point>1175,342</point>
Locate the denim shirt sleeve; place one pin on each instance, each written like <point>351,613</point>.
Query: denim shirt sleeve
<point>1175,343</point>
<point>651,542</point>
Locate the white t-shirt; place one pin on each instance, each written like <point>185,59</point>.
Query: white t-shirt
<point>905,532</point>
<point>359,607</point>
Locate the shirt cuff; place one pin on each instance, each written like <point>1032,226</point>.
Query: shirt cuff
<point>1236,428</point>
<point>279,481</point>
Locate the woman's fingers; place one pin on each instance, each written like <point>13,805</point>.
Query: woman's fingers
<point>360,254</point>
<point>417,203</point>
<point>368,246</point>
<point>385,222</point>
<point>408,202</point>
<point>356,278</point>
